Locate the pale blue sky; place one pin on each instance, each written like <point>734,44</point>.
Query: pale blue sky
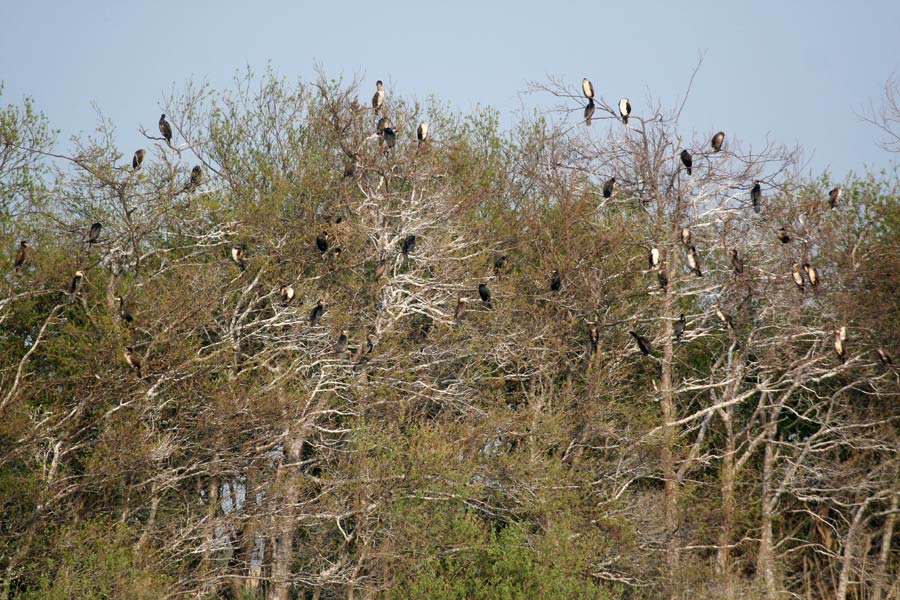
<point>797,72</point>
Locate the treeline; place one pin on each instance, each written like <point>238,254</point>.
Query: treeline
<point>295,350</point>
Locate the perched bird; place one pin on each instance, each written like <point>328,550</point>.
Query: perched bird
<point>717,141</point>
<point>390,137</point>
<point>783,236</point>
<point>21,255</point>
<point>351,167</point>
<point>422,132</point>
<point>840,335</point>
<point>460,309</point>
<point>756,196</point>
<point>287,294</point>
<point>133,361</point>
<point>624,110</point>
<point>340,346</point>
<point>94,233</point>
<point>608,187</point>
<point>736,263</point>
<point>643,343</point>
<point>594,339</point>
<point>237,255</point>
<point>680,324</point>
<point>485,294</point>
<point>588,88</point>
<point>76,284</point>
<point>370,342</point>
<point>884,357</point>
<point>380,269</point>
<point>653,259</point>
<point>687,160</point>
<point>124,313</point>
<point>555,281</point>
<point>378,98</point>
<point>663,279</point>
<point>316,313</point>
<point>686,236</point>
<point>589,112</point>
<point>834,196</point>
<point>196,177</point>
<point>811,274</point>
<point>726,319</point>
<point>798,278</point>
<point>408,244</point>
<point>694,261</point>
<point>322,242</point>
<point>165,129</point>
<point>383,123</point>
<point>137,159</point>
<point>500,264</point>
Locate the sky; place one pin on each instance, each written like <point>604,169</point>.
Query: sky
<point>794,73</point>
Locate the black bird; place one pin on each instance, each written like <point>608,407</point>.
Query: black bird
<point>422,132</point>
<point>687,160</point>
<point>287,294</point>
<point>686,236</point>
<point>798,278</point>
<point>380,269</point>
<point>840,336</point>
<point>694,261</point>
<point>608,187</point>
<point>883,357</point>
<point>589,112</point>
<point>485,294</point>
<point>500,264</point>
<point>196,176</point>
<point>460,309</point>
<point>624,110</point>
<point>663,279</point>
<point>588,88</point>
<point>643,343</point>
<point>834,196</point>
<point>408,244</point>
<point>679,326</point>
<point>756,196</point>
<point>133,361</point>
<point>811,274</point>
<point>378,98</point>
<point>137,159</point>
<point>340,346</point>
<point>555,281</point>
<point>383,123</point>
<point>717,141</point>
<point>76,284</point>
<point>124,313</point>
<point>165,129</point>
<point>322,242</point>
<point>316,313</point>
<point>390,137</point>
<point>237,255</point>
<point>94,233</point>
<point>736,263</point>
<point>783,235</point>
<point>21,255</point>
<point>594,339</point>
<point>653,258</point>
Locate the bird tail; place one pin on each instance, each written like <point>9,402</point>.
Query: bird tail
<point>690,171</point>
<point>587,122</point>
<point>625,120</point>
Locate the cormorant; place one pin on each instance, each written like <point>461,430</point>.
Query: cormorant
<point>422,132</point>
<point>717,141</point>
<point>555,281</point>
<point>322,242</point>
<point>662,278</point>
<point>694,261</point>
<point>679,326</point>
<point>588,88</point>
<point>653,259</point>
<point>608,187</point>
<point>380,269</point>
<point>736,263</point>
<point>316,313</point>
<point>124,313</point>
<point>383,123</point>
<point>500,264</point>
<point>460,309</point>
<point>589,112</point>
<point>756,196</point>
<point>21,255</point>
<point>687,160</point>
<point>798,278</point>
<point>378,98</point>
<point>811,274</point>
<point>624,110</point>
<point>340,346</point>
<point>94,233</point>
<point>287,294</point>
<point>783,236</point>
<point>390,137</point>
<point>76,284</point>
<point>594,339</point>
<point>686,236</point>
<point>840,335</point>
<point>408,244</point>
<point>834,196</point>
<point>643,343</point>
<point>165,129</point>
<point>196,176</point>
<point>485,294</point>
<point>137,159</point>
<point>133,361</point>
<point>237,255</point>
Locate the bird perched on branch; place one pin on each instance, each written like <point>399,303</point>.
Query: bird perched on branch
<point>589,112</point>
<point>643,343</point>
<point>316,313</point>
<point>834,197</point>
<point>94,233</point>
<point>680,324</point>
<point>422,132</point>
<point>124,313</point>
<point>555,281</point>
<point>694,261</point>
<point>75,286</point>
<point>165,129</point>
<point>624,110</point>
<point>287,294</point>
<point>653,259</point>
<point>687,160</point>
<point>797,276</point>
<point>237,255</point>
<point>736,263</point>
<point>811,274</point>
<point>756,196</point>
<point>840,336</point>
<point>408,244</point>
<point>783,236</point>
<point>133,361</point>
<point>608,187</point>
<point>137,159</point>
<point>378,98</point>
<point>21,255</point>
<point>485,294</point>
<point>460,309</point>
<point>717,141</point>
<point>196,177</point>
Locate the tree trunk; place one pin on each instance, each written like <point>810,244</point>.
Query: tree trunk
<point>727,478</point>
<point>667,454</point>
<point>285,523</point>
<point>766,560</point>
<point>881,575</point>
<point>849,552</point>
